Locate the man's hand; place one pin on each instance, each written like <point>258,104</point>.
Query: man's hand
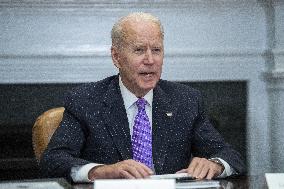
<point>129,169</point>
<point>201,168</point>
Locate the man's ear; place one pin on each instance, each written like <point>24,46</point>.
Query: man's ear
<point>115,56</point>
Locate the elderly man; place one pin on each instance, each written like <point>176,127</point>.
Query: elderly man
<point>134,124</point>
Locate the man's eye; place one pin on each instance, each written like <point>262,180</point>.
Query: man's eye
<point>139,50</point>
<point>156,50</point>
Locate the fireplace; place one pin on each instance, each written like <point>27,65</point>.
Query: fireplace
<point>225,103</point>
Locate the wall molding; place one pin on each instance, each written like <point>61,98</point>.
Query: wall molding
<point>277,2</point>
<point>113,3</point>
<point>278,52</point>
<point>93,52</point>
<point>73,66</point>
<point>275,79</point>
<point>274,75</point>
<point>107,7</point>
<point>86,69</point>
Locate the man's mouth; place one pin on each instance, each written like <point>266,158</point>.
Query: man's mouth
<point>147,73</point>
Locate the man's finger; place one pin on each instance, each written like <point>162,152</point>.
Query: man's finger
<point>192,166</point>
<point>210,174</point>
<point>203,173</point>
<point>135,171</point>
<point>143,170</point>
<point>126,175</point>
<point>198,168</point>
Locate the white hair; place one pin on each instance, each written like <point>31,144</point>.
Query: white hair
<point>118,34</point>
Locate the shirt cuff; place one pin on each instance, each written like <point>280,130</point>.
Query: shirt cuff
<point>228,170</point>
<point>80,173</point>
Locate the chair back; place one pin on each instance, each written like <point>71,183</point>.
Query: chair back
<point>44,128</point>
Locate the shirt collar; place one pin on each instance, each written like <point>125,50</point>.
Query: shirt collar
<point>129,98</point>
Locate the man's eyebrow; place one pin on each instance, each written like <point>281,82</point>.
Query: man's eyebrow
<point>157,45</point>
<point>142,44</point>
<point>134,44</point>
<point>138,44</point>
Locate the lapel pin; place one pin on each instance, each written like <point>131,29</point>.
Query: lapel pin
<point>169,114</point>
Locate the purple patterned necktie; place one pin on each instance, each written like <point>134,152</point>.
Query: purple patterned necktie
<point>142,136</point>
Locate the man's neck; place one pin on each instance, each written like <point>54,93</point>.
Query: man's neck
<point>129,97</point>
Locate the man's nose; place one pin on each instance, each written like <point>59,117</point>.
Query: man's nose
<point>149,56</point>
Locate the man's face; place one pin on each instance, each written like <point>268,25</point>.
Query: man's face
<point>140,59</point>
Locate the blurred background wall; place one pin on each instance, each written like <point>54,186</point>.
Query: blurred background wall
<point>48,47</point>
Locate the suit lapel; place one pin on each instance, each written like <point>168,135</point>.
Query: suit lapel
<point>115,117</point>
<point>164,111</point>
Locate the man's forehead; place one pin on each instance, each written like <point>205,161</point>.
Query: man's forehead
<point>143,27</point>
<point>141,33</point>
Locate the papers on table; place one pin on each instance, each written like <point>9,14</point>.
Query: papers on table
<point>134,183</point>
<point>154,184</point>
<point>167,181</point>
<point>198,184</point>
<point>171,176</point>
<point>31,185</point>
<point>275,180</point>
<point>184,180</point>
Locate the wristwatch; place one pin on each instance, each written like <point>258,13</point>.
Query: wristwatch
<point>215,160</point>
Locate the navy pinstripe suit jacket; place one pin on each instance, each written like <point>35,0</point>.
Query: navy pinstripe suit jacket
<point>95,129</point>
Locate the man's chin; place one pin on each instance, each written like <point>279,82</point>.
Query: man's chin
<point>144,87</point>
<point>147,87</point>
<point>148,79</point>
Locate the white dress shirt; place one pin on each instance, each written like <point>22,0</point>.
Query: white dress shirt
<point>80,174</point>
<point>131,108</point>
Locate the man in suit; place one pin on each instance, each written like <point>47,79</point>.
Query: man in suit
<point>134,124</point>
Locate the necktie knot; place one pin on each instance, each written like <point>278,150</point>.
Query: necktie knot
<point>141,103</point>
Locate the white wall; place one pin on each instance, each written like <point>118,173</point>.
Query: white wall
<point>205,40</point>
